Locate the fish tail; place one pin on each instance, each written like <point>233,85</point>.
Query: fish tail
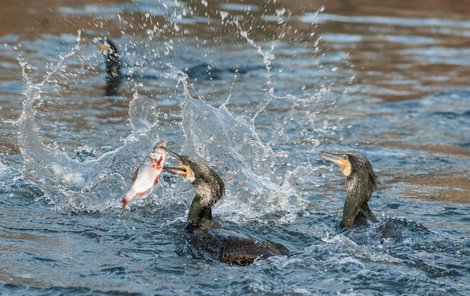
<point>125,200</point>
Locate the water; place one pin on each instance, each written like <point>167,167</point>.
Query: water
<point>286,81</point>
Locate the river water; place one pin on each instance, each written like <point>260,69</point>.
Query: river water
<point>271,84</point>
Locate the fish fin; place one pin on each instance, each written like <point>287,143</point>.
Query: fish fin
<point>134,175</point>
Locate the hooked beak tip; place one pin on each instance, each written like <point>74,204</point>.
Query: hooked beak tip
<point>331,157</point>
<point>182,171</point>
<point>324,154</point>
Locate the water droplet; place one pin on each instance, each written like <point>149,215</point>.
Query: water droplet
<point>223,15</point>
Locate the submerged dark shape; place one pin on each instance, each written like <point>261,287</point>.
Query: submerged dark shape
<point>83,154</point>
<point>361,183</point>
<point>199,72</point>
<point>229,246</point>
<point>203,71</point>
<point>115,66</point>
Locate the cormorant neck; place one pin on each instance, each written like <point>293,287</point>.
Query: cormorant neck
<point>113,64</point>
<point>199,214</point>
<point>356,210</point>
<point>359,188</point>
<point>209,189</point>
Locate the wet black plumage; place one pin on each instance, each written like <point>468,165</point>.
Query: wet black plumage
<point>229,246</point>
<point>114,66</point>
<point>112,58</point>
<point>361,183</point>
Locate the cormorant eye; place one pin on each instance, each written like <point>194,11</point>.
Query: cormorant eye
<point>345,157</point>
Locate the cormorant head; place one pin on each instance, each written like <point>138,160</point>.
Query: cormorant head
<point>107,47</point>
<point>356,167</point>
<point>111,53</point>
<point>209,186</point>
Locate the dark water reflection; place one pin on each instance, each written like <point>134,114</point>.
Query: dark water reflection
<point>388,79</point>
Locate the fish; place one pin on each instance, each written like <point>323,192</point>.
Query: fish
<point>147,174</point>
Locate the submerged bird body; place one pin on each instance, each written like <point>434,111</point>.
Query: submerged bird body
<point>203,71</point>
<point>146,176</point>
<point>361,183</point>
<point>233,247</point>
<point>229,246</point>
<point>199,72</point>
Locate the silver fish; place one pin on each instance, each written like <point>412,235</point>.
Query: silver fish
<point>146,176</point>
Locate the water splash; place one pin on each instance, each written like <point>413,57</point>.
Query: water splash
<point>94,183</point>
<point>255,173</point>
<point>254,185</point>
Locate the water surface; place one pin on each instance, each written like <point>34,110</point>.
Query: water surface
<point>286,80</point>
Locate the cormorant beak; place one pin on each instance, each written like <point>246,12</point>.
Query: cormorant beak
<point>184,170</point>
<point>339,159</point>
<point>104,47</point>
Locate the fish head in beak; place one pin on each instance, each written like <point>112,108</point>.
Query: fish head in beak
<point>341,160</point>
<point>158,155</point>
<point>184,170</point>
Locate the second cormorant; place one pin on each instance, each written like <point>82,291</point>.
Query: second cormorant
<point>199,72</point>
<point>114,66</point>
<point>361,183</point>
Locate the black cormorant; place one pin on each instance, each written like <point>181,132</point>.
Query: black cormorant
<point>112,57</point>
<point>114,66</point>
<point>228,245</point>
<point>361,183</point>
<point>199,72</point>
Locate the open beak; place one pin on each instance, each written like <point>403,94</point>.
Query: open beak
<point>183,170</point>
<point>344,164</point>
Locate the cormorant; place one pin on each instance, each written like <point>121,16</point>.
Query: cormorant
<point>361,183</point>
<point>113,66</point>
<point>112,56</point>
<point>228,245</point>
<point>199,72</point>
